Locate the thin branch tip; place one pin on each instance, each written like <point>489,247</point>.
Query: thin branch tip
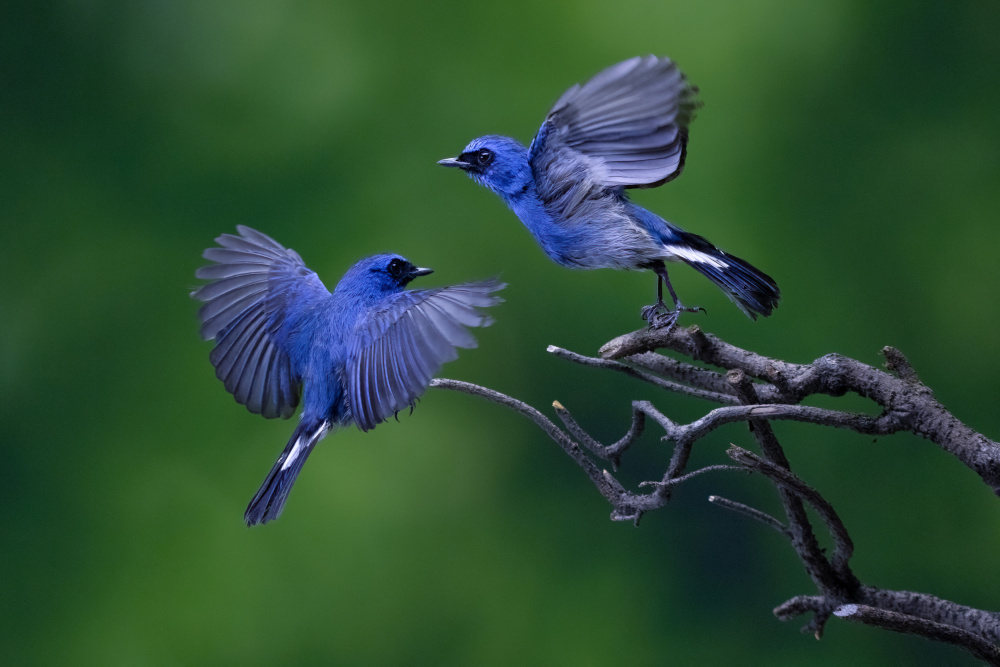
<point>897,363</point>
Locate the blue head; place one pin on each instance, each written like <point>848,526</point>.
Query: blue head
<point>376,277</point>
<point>499,163</point>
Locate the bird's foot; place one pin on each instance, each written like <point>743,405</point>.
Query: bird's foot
<point>650,311</point>
<point>664,321</point>
<point>659,316</point>
<point>691,309</point>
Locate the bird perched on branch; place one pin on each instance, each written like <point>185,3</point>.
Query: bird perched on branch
<point>359,354</point>
<point>627,127</point>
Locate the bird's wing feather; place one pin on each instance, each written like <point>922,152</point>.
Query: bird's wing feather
<point>399,348</point>
<point>254,280</point>
<point>625,127</point>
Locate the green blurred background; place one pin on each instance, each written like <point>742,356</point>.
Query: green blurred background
<point>849,149</point>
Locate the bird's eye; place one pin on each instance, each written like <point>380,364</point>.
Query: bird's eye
<point>484,157</point>
<point>395,268</point>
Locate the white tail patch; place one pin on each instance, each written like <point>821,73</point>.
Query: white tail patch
<point>691,255</point>
<point>302,443</point>
<point>294,454</point>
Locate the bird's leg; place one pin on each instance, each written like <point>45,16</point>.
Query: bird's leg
<point>649,313</point>
<point>677,302</point>
<point>658,315</point>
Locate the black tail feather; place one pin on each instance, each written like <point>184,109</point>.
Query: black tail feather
<point>270,498</point>
<point>752,290</point>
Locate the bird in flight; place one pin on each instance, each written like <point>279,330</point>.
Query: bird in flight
<point>356,355</point>
<point>627,127</point>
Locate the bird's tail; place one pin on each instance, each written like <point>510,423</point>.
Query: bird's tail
<point>752,290</point>
<point>270,498</point>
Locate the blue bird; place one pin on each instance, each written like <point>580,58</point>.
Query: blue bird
<point>627,127</point>
<point>360,354</point>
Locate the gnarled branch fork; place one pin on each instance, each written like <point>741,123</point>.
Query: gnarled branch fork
<point>758,390</point>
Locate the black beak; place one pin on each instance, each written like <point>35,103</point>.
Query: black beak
<point>417,272</point>
<point>454,162</point>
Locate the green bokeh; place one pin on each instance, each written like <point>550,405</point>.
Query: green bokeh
<point>850,149</point>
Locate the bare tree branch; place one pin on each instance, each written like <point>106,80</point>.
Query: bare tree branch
<point>758,390</point>
<point>835,580</point>
<point>907,405</point>
<point>784,478</point>
<point>716,396</point>
<point>751,512</point>
<point>915,625</point>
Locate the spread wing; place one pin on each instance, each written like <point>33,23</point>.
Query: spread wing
<point>404,343</point>
<point>255,284</point>
<point>625,127</point>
